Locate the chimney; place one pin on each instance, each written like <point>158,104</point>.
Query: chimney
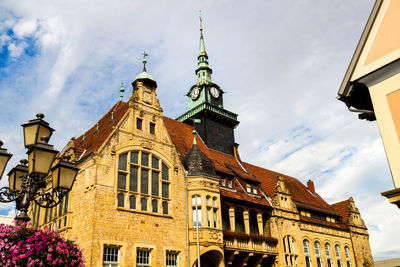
<point>310,186</point>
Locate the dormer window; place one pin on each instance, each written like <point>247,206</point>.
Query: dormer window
<point>254,190</point>
<point>223,182</point>
<point>248,188</point>
<point>230,183</point>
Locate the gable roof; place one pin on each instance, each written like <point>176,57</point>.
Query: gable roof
<point>92,139</point>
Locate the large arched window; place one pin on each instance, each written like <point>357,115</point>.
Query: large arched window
<point>347,254</point>
<point>307,252</point>
<point>290,251</point>
<point>328,255</point>
<point>338,256</point>
<point>253,222</point>
<point>318,254</point>
<point>142,175</point>
<point>239,220</point>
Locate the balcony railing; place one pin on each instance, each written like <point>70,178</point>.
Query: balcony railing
<point>250,242</point>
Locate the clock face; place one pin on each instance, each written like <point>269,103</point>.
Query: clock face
<point>195,93</point>
<point>214,92</point>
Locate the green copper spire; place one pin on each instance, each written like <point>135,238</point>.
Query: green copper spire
<point>122,90</point>
<point>203,72</point>
<point>144,74</point>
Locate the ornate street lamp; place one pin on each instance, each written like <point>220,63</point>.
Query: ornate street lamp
<point>28,183</point>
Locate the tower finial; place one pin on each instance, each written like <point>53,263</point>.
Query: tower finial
<point>144,60</point>
<point>201,21</point>
<point>122,90</point>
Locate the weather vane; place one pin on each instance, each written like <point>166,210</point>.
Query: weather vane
<point>144,60</point>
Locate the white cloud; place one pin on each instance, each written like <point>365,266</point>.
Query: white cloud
<point>25,28</point>
<point>16,50</point>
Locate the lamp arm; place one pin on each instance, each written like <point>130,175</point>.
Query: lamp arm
<point>8,195</point>
<point>47,200</point>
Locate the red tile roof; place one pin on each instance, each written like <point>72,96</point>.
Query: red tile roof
<point>182,137</point>
<point>343,209</point>
<point>92,140</point>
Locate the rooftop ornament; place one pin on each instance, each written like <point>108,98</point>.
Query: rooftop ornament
<point>28,181</point>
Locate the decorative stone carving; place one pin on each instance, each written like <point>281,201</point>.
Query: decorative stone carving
<point>146,144</point>
<point>147,97</point>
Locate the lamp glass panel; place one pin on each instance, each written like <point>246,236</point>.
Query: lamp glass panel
<point>18,179</point>
<point>56,176</point>
<point>30,134</point>
<point>43,161</point>
<point>11,180</point>
<point>31,156</point>
<point>43,131</point>
<point>3,163</point>
<point>67,177</point>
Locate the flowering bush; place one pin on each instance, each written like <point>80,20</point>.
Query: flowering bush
<point>23,245</point>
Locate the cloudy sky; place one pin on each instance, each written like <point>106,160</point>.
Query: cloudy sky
<point>279,62</point>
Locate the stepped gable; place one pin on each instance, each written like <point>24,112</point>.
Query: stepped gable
<point>343,209</point>
<point>98,134</point>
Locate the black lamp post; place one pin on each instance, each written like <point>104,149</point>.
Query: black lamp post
<point>28,183</point>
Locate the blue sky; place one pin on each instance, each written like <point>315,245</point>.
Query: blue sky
<point>279,62</point>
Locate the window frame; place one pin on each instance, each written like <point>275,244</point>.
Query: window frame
<point>110,263</point>
<point>289,245</point>
<point>139,165</point>
<point>173,254</point>
<point>140,251</point>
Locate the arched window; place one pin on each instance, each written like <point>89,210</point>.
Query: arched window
<point>307,252</point>
<point>196,207</point>
<point>289,246</point>
<point>142,174</point>
<point>318,254</point>
<point>338,256</point>
<point>253,222</point>
<point>328,254</point>
<point>347,254</point>
<point>226,226</point>
<point>239,220</point>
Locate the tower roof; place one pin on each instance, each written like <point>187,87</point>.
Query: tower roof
<point>197,163</point>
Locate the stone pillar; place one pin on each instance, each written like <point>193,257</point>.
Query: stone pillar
<point>232,218</point>
<point>246,221</point>
<point>260,224</point>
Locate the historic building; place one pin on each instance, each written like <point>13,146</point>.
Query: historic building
<point>154,191</point>
<point>371,84</point>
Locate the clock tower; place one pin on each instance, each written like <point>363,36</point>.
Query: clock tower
<point>213,123</point>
